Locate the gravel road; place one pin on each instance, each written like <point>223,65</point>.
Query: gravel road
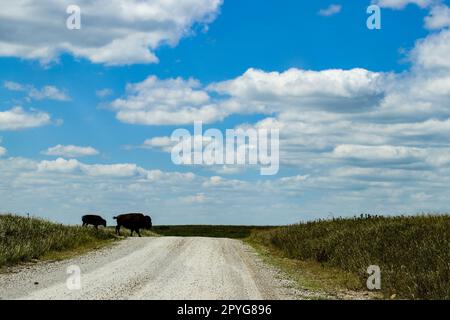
<point>154,268</point>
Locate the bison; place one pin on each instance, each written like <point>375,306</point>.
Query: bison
<point>134,222</point>
<point>93,220</point>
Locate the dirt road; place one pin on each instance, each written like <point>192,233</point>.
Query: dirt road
<point>153,268</point>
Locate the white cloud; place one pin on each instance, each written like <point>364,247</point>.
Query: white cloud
<point>438,18</point>
<point>17,119</point>
<point>378,153</point>
<point>170,101</point>
<point>70,151</point>
<point>162,143</point>
<point>2,151</point>
<point>140,26</point>
<point>116,170</point>
<point>433,51</point>
<point>47,92</point>
<point>295,83</point>
<point>400,4</point>
<point>59,165</point>
<point>112,170</point>
<point>331,10</point>
<point>335,88</point>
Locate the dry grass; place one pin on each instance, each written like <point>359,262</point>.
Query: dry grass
<point>24,239</point>
<point>412,252</point>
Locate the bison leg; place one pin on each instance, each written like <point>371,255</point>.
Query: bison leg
<point>138,233</point>
<point>118,230</point>
<point>131,232</point>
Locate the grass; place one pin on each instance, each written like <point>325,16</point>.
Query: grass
<point>24,239</point>
<point>412,252</point>
<point>319,281</point>
<point>215,231</point>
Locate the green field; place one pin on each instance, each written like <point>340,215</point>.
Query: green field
<point>23,239</point>
<point>412,252</point>
<point>216,231</point>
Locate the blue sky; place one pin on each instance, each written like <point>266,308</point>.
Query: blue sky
<point>363,114</point>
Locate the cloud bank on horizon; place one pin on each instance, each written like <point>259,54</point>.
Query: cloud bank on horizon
<point>352,140</point>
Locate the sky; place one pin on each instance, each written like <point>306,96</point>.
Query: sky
<point>86,115</point>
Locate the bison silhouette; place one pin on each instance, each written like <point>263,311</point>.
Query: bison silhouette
<point>133,222</point>
<point>91,219</point>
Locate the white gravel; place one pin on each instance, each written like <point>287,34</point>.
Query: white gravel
<point>154,268</point>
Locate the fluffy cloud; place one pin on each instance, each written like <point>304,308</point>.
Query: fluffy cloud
<point>331,10</point>
<point>47,92</point>
<point>116,170</point>
<point>2,151</point>
<point>432,52</point>
<point>70,151</point>
<point>140,26</point>
<point>377,153</point>
<point>171,101</point>
<point>336,89</point>
<point>17,118</point>
<point>59,165</point>
<point>163,143</point>
<point>438,18</point>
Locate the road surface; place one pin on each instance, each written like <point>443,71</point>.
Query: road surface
<point>153,268</point>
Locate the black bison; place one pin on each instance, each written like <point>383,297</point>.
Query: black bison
<point>134,222</point>
<point>93,220</point>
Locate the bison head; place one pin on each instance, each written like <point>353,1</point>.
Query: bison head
<point>103,223</point>
<point>147,222</point>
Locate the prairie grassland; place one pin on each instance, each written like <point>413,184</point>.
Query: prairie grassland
<point>412,252</point>
<point>23,239</point>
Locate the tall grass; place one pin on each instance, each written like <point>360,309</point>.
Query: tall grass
<point>412,252</point>
<point>23,239</point>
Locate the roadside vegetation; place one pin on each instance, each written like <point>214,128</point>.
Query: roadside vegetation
<point>24,239</point>
<point>413,253</point>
